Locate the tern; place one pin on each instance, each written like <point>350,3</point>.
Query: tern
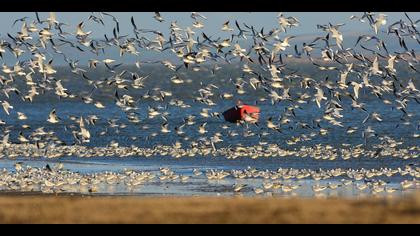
<point>53,118</point>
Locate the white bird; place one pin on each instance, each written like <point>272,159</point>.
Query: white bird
<point>83,131</point>
<point>21,116</point>
<point>177,80</point>
<point>53,118</point>
<point>22,138</point>
<point>60,90</point>
<point>376,116</point>
<point>319,96</point>
<point>198,25</point>
<point>338,36</point>
<point>411,86</point>
<point>281,46</point>
<point>164,128</point>
<point>6,107</point>
<point>52,20</point>
<point>158,17</point>
<point>195,15</point>
<point>197,172</point>
<point>205,112</point>
<point>226,27</point>
<point>202,129</point>
<point>258,190</point>
<point>99,105</point>
<point>24,34</point>
<point>5,141</point>
<point>271,125</point>
<point>391,62</point>
<point>318,188</point>
<point>375,67</point>
<point>356,88</point>
<point>238,187</point>
<point>80,32</point>
<point>108,61</point>
<point>18,167</point>
<point>380,21</point>
<point>287,22</point>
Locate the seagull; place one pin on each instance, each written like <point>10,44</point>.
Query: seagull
<point>287,22</point>
<point>24,34</point>
<point>93,63</point>
<point>99,105</point>
<point>60,90</point>
<point>202,129</point>
<point>281,46</point>
<point>80,32</point>
<point>375,67</point>
<point>177,80</point>
<point>319,96</point>
<point>258,191</point>
<point>226,26</point>
<point>238,187</point>
<point>196,172</point>
<point>6,107</point>
<point>52,20</point>
<point>198,25</point>
<point>376,116</point>
<point>18,166</point>
<point>270,125</point>
<point>108,61</point>
<point>356,88</point>
<point>53,118</point>
<point>83,131</point>
<point>195,15</point>
<point>318,188</point>
<point>158,17</point>
<point>380,21</point>
<point>411,87</point>
<point>338,37</point>
<point>5,140</point>
<point>164,128</point>
<point>391,62</point>
<point>21,116</point>
<point>22,138</point>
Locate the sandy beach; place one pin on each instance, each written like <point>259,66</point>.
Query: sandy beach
<point>85,209</point>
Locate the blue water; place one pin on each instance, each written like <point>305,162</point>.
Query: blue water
<point>38,114</point>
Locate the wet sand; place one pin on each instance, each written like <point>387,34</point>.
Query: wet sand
<point>108,209</point>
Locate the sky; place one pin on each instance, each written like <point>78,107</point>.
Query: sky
<point>308,21</point>
<point>268,20</point>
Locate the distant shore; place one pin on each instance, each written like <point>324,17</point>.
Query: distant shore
<point>84,209</point>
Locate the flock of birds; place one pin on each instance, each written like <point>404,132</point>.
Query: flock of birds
<point>387,149</point>
<point>372,71</point>
<point>57,179</point>
<point>368,69</point>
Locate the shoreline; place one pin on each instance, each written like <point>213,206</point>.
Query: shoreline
<point>128,209</point>
<point>323,152</point>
